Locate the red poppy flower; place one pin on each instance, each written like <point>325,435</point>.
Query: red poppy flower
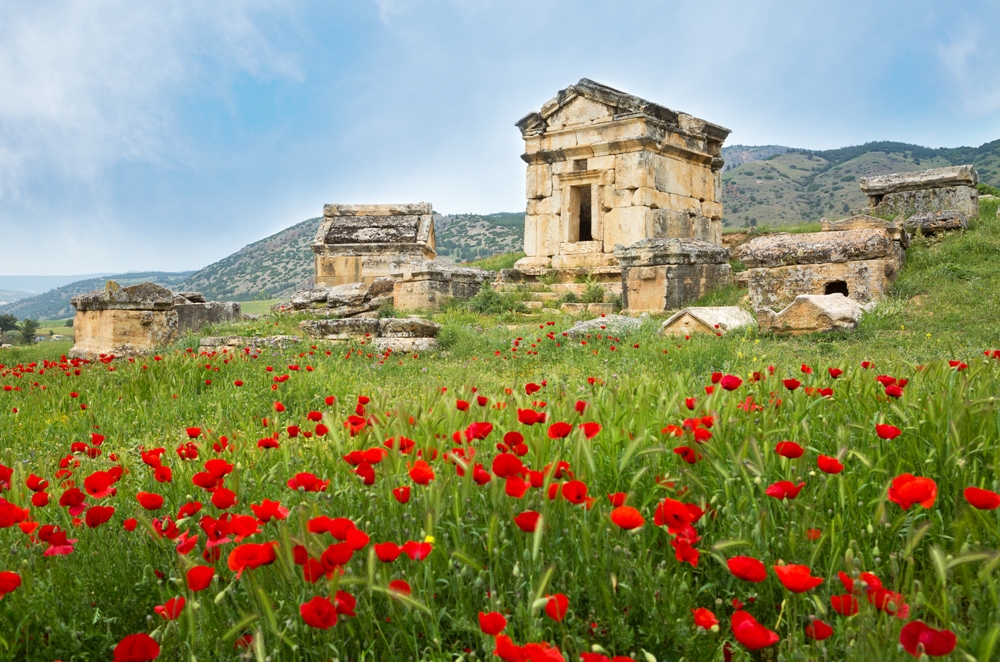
<point>818,630</point>
<point>223,498</point>
<point>527,521</point>
<point>835,372</point>
<point>918,638</point>
<point>400,586</point>
<point>894,390</point>
<point>556,607</point>
<point>784,489</point>
<point>845,605</point>
<point>829,464</point>
<point>887,431</point>
<point>387,552</point>
<point>574,491</point>
<point>417,551</point>
<point>137,648</point>
<point>478,430</point>
<point>689,403</point>
<point>789,449</point>
<point>703,618</point>
<point>516,487</point>
<point>130,524</point>
<point>308,482</point>
<point>590,430</point>
<point>250,556</point>
<point>581,405</point>
<point>982,499</point>
<point>796,578</point>
<point>492,623</point>
<point>319,613</point>
<point>676,515</point>
<point>199,578</point>
<point>193,433</point>
<point>421,473</point>
<point>747,568</point>
<point>171,609</point>
<point>559,430</point>
<point>627,517</point>
<point>617,499</point>
<point>97,515</point>
<point>730,382</point>
<point>36,483</point>
<point>461,405</point>
<point>530,416</point>
<point>506,465</point>
<point>402,494</point>
<point>345,603</point>
<point>269,510</point>
<point>907,489</point>
<point>684,552</point>
<point>791,384</point>
<point>750,633</point>
<point>531,388</point>
<point>149,501</point>
<point>9,582</point>
<point>688,454</point>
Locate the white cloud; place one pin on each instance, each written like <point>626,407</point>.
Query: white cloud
<point>972,59</point>
<point>86,84</point>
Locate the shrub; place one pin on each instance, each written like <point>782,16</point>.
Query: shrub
<point>488,301</point>
<point>593,293</point>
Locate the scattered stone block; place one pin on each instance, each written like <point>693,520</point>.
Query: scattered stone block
<point>408,327</point>
<point>573,308</point>
<point>359,243</point>
<point>607,168</point>
<point>406,344</point>
<point>193,316</point>
<point>192,297</point>
<point>932,222</point>
<point>399,334</point>
<point>534,305</point>
<point>613,324</point>
<point>938,189</point>
<point>600,308</point>
<point>715,320</point>
<point>665,274</point>
<point>233,344</point>
<point>340,329</point>
<point>144,296</point>
<point>429,285</point>
<point>810,313</point>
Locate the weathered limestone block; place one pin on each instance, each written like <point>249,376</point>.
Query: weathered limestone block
<point>192,297</point>
<point>811,314</point>
<point>781,248</point>
<point>715,320</point>
<point>938,189</point>
<point>863,281</point>
<point>232,344</point>
<point>340,329</point>
<point>359,243</point>
<point>608,324</point>
<point>408,327</point>
<point>193,316</point>
<point>144,296</point>
<point>665,274</point>
<point>406,345</point>
<point>125,332</point>
<point>940,221</point>
<point>306,298</point>
<point>429,285</point>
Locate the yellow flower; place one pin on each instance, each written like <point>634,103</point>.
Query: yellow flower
<point>429,539</point>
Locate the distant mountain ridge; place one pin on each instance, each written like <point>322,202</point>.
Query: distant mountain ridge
<point>55,304</point>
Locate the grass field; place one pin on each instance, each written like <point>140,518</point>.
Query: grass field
<point>698,455</point>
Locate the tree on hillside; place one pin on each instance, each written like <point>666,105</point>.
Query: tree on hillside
<point>29,328</point>
<point>8,322</point>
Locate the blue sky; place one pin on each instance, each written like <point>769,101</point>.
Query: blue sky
<point>166,135</point>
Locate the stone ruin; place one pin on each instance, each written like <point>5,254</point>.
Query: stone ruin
<point>608,168</point>
<point>665,274</point>
<point>369,256</point>
<point>858,257</point>
<point>409,334</point>
<point>126,321</point>
<point>714,320</point>
<point>929,201</point>
<point>812,313</point>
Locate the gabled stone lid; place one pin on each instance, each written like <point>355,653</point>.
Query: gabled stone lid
<point>624,105</point>
<point>652,252</point>
<point>963,175</point>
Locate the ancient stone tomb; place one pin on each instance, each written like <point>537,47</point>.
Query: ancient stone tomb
<point>608,168</point>
<point>665,274</point>
<point>936,190</point>
<point>359,243</point>
<point>126,321</point>
<point>858,257</point>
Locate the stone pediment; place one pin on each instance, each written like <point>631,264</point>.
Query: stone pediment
<point>589,102</point>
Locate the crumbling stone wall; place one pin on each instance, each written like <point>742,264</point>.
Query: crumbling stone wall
<point>935,190</point>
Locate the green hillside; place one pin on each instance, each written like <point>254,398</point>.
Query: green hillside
<point>802,185</point>
<point>55,304</point>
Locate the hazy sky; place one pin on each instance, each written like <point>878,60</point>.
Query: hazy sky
<point>165,135</point>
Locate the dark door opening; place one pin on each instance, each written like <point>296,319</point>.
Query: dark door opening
<point>585,214</point>
<point>837,287</point>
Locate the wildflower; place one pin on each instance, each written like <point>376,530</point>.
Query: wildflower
<point>319,613</point>
<point>747,568</point>
<point>750,633</point>
<point>887,431</point>
<point>829,464</point>
<point>982,499</point>
<point>784,489</point>
<point>527,521</point>
<point>556,607</point>
<point>137,648</point>
<point>918,638</point>
<point>819,630</point>
<point>171,610</point>
<point>796,578</point>
<point>704,619</point>
<point>492,623</point>
<point>907,489</point>
<point>627,517</point>
<point>789,449</point>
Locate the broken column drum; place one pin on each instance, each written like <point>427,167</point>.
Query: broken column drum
<point>608,168</point>
<point>359,243</point>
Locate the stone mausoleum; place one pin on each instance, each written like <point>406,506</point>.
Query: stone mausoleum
<point>607,168</point>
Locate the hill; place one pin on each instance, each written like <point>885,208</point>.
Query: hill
<point>276,266</point>
<point>9,296</point>
<point>55,304</point>
<point>803,185</point>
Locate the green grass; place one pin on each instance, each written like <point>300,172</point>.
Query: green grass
<point>258,307</point>
<point>627,592</point>
<point>497,262</point>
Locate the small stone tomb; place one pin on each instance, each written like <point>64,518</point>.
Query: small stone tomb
<point>409,334</point>
<point>359,243</point>
<point>858,257</point>
<point>428,285</point>
<point>812,313</point>
<point>715,320</point>
<point>126,321</point>
<point>909,193</point>
<point>666,274</point>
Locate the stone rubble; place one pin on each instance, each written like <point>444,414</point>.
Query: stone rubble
<point>932,222</point>
<point>398,334</point>
<point>613,324</point>
<point>811,313</point>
